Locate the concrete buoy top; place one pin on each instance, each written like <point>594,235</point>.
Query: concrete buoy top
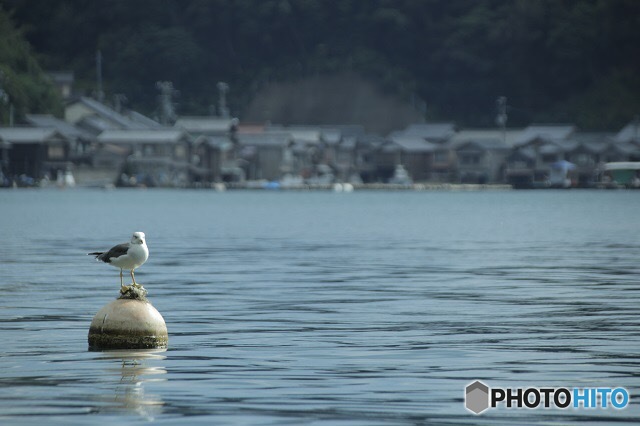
<point>129,322</point>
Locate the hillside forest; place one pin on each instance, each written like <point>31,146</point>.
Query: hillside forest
<point>556,61</point>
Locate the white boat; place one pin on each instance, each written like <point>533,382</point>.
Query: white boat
<point>400,176</point>
<point>625,173</point>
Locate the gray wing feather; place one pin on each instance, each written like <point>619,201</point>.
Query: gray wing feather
<point>115,251</point>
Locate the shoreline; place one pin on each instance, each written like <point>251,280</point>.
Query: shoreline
<point>345,187</point>
<point>315,187</point>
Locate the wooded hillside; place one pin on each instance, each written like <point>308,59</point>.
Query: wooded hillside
<point>555,60</point>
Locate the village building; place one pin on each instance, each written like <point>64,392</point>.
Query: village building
<point>63,82</point>
<point>214,148</point>
<point>80,141</point>
<point>96,117</point>
<point>346,160</point>
<point>587,156</point>
<point>266,156</point>
<point>412,152</point>
<point>206,125</point>
<point>366,150</point>
<point>535,149</point>
<point>629,133</point>
<point>31,153</point>
<point>480,154</point>
<point>438,133</point>
<point>425,149</point>
<point>312,151</point>
<point>213,160</point>
<point>153,157</point>
<point>202,149</point>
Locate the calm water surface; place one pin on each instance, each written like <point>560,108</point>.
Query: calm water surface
<point>368,308</point>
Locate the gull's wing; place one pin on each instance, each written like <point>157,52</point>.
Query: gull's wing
<point>115,251</point>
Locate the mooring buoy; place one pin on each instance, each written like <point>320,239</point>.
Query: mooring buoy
<point>129,322</point>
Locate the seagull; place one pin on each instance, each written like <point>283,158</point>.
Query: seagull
<point>128,256</point>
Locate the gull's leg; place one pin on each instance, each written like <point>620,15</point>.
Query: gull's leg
<point>121,281</point>
<point>134,279</point>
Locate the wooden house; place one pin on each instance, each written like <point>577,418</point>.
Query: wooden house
<point>167,143</point>
<point>96,117</point>
<point>413,152</point>
<point>624,145</point>
<point>343,151</point>
<point>534,150</point>
<point>629,133</point>
<point>480,154</point>
<point>213,160</point>
<point>34,152</point>
<point>590,151</point>
<point>441,160</point>
<point>367,147</point>
<point>264,155</point>
<point>438,133</point>
<point>206,125</point>
<point>345,159</point>
<point>215,147</point>
<point>80,141</point>
<point>63,82</point>
<point>312,148</point>
<point>161,156</point>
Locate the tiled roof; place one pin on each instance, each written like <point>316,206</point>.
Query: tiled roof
<point>49,121</point>
<point>204,124</point>
<point>144,120</point>
<point>544,131</point>
<point>111,115</point>
<point>21,135</point>
<point>111,119</point>
<point>276,139</point>
<point>142,136</point>
<point>630,132</point>
<point>431,131</point>
<point>414,144</point>
<point>489,139</point>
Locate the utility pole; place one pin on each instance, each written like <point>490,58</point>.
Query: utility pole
<point>6,99</point>
<point>99,92</point>
<point>501,118</point>
<point>223,88</point>
<point>167,111</point>
<point>119,99</point>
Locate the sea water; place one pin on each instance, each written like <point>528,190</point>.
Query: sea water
<point>363,308</point>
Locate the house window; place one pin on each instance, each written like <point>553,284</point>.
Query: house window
<point>56,152</point>
<point>180,152</point>
<point>519,164</point>
<point>441,157</point>
<point>583,159</point>
<point>469,159</point>
<point>549,158</point>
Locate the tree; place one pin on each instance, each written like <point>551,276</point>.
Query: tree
<point>568,60</point>
<point>24,85</point>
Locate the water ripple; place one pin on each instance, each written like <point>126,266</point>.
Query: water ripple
<point>354,312</point>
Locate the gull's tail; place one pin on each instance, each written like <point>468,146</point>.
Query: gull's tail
<point>97,254</point>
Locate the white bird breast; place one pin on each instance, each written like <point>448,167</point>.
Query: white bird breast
<point>136,256</point>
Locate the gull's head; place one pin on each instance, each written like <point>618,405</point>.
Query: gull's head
<point>138,238</point>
